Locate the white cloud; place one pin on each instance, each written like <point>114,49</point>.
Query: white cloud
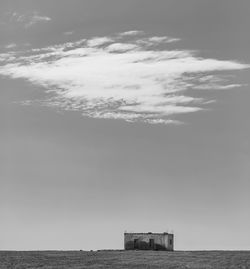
<point>36,18</point>
<point>161,121</point>
<point>162,39</point>
<point>10,46</point>
<point>69,33</point>
<point>28,19</point>
<point>156,40</point>
<point>99,41</point>
<point>7,57</point>
<point>104,78</point>
<point>131,33</point>
<point>217,87</point>
<point>120,47</point>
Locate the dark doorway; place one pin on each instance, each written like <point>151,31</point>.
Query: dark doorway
<point>136,244</point>
<point>151,243</point>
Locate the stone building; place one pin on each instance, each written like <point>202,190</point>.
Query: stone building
<point>149,241</point>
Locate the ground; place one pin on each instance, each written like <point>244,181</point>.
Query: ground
<point>124,259</point>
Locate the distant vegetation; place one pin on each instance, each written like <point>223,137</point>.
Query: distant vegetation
<point>125,259</point>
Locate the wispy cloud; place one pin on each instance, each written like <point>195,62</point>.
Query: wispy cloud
<point>36,18</point>
<point>28,19</point>
<point>99,41</point>
<point>109,77</point>
<point>131,33</point>
<point>156,40</point>
<point>11,46</point>
<point>68,33</point>
<point>121,47</point>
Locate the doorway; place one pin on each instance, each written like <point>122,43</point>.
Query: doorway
<point>151,243</point>
<point>136,244</point>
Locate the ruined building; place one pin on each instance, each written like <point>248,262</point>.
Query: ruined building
<point>149,241</point>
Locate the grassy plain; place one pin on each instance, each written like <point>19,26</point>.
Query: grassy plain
<point>124,259</point>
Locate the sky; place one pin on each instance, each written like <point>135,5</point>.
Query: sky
<point>124,116</point>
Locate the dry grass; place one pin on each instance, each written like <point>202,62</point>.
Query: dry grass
<point>124,259</point>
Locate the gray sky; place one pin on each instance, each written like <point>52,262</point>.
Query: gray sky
<point>112,148</point>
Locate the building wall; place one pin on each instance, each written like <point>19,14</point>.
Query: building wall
<point>170,243</point>
<point>149,241</point>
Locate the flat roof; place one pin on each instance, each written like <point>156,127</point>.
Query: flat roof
<point>149,233</point>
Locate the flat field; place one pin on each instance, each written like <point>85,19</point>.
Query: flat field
<point>124,259</point>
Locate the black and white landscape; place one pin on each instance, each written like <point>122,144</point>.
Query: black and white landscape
<point>124,116</point>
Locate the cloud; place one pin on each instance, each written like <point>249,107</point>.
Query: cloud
<point>156,40</point>
<point>131,33</point>
<point>69,33</point>
<point>36,18</point>
<point>11,46</point>
<point>99,41</point>
<point>218,87</point>
<point>120,47</point>
<point>159,39</point>
<point>28,19</point>
<point>107,77</point>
